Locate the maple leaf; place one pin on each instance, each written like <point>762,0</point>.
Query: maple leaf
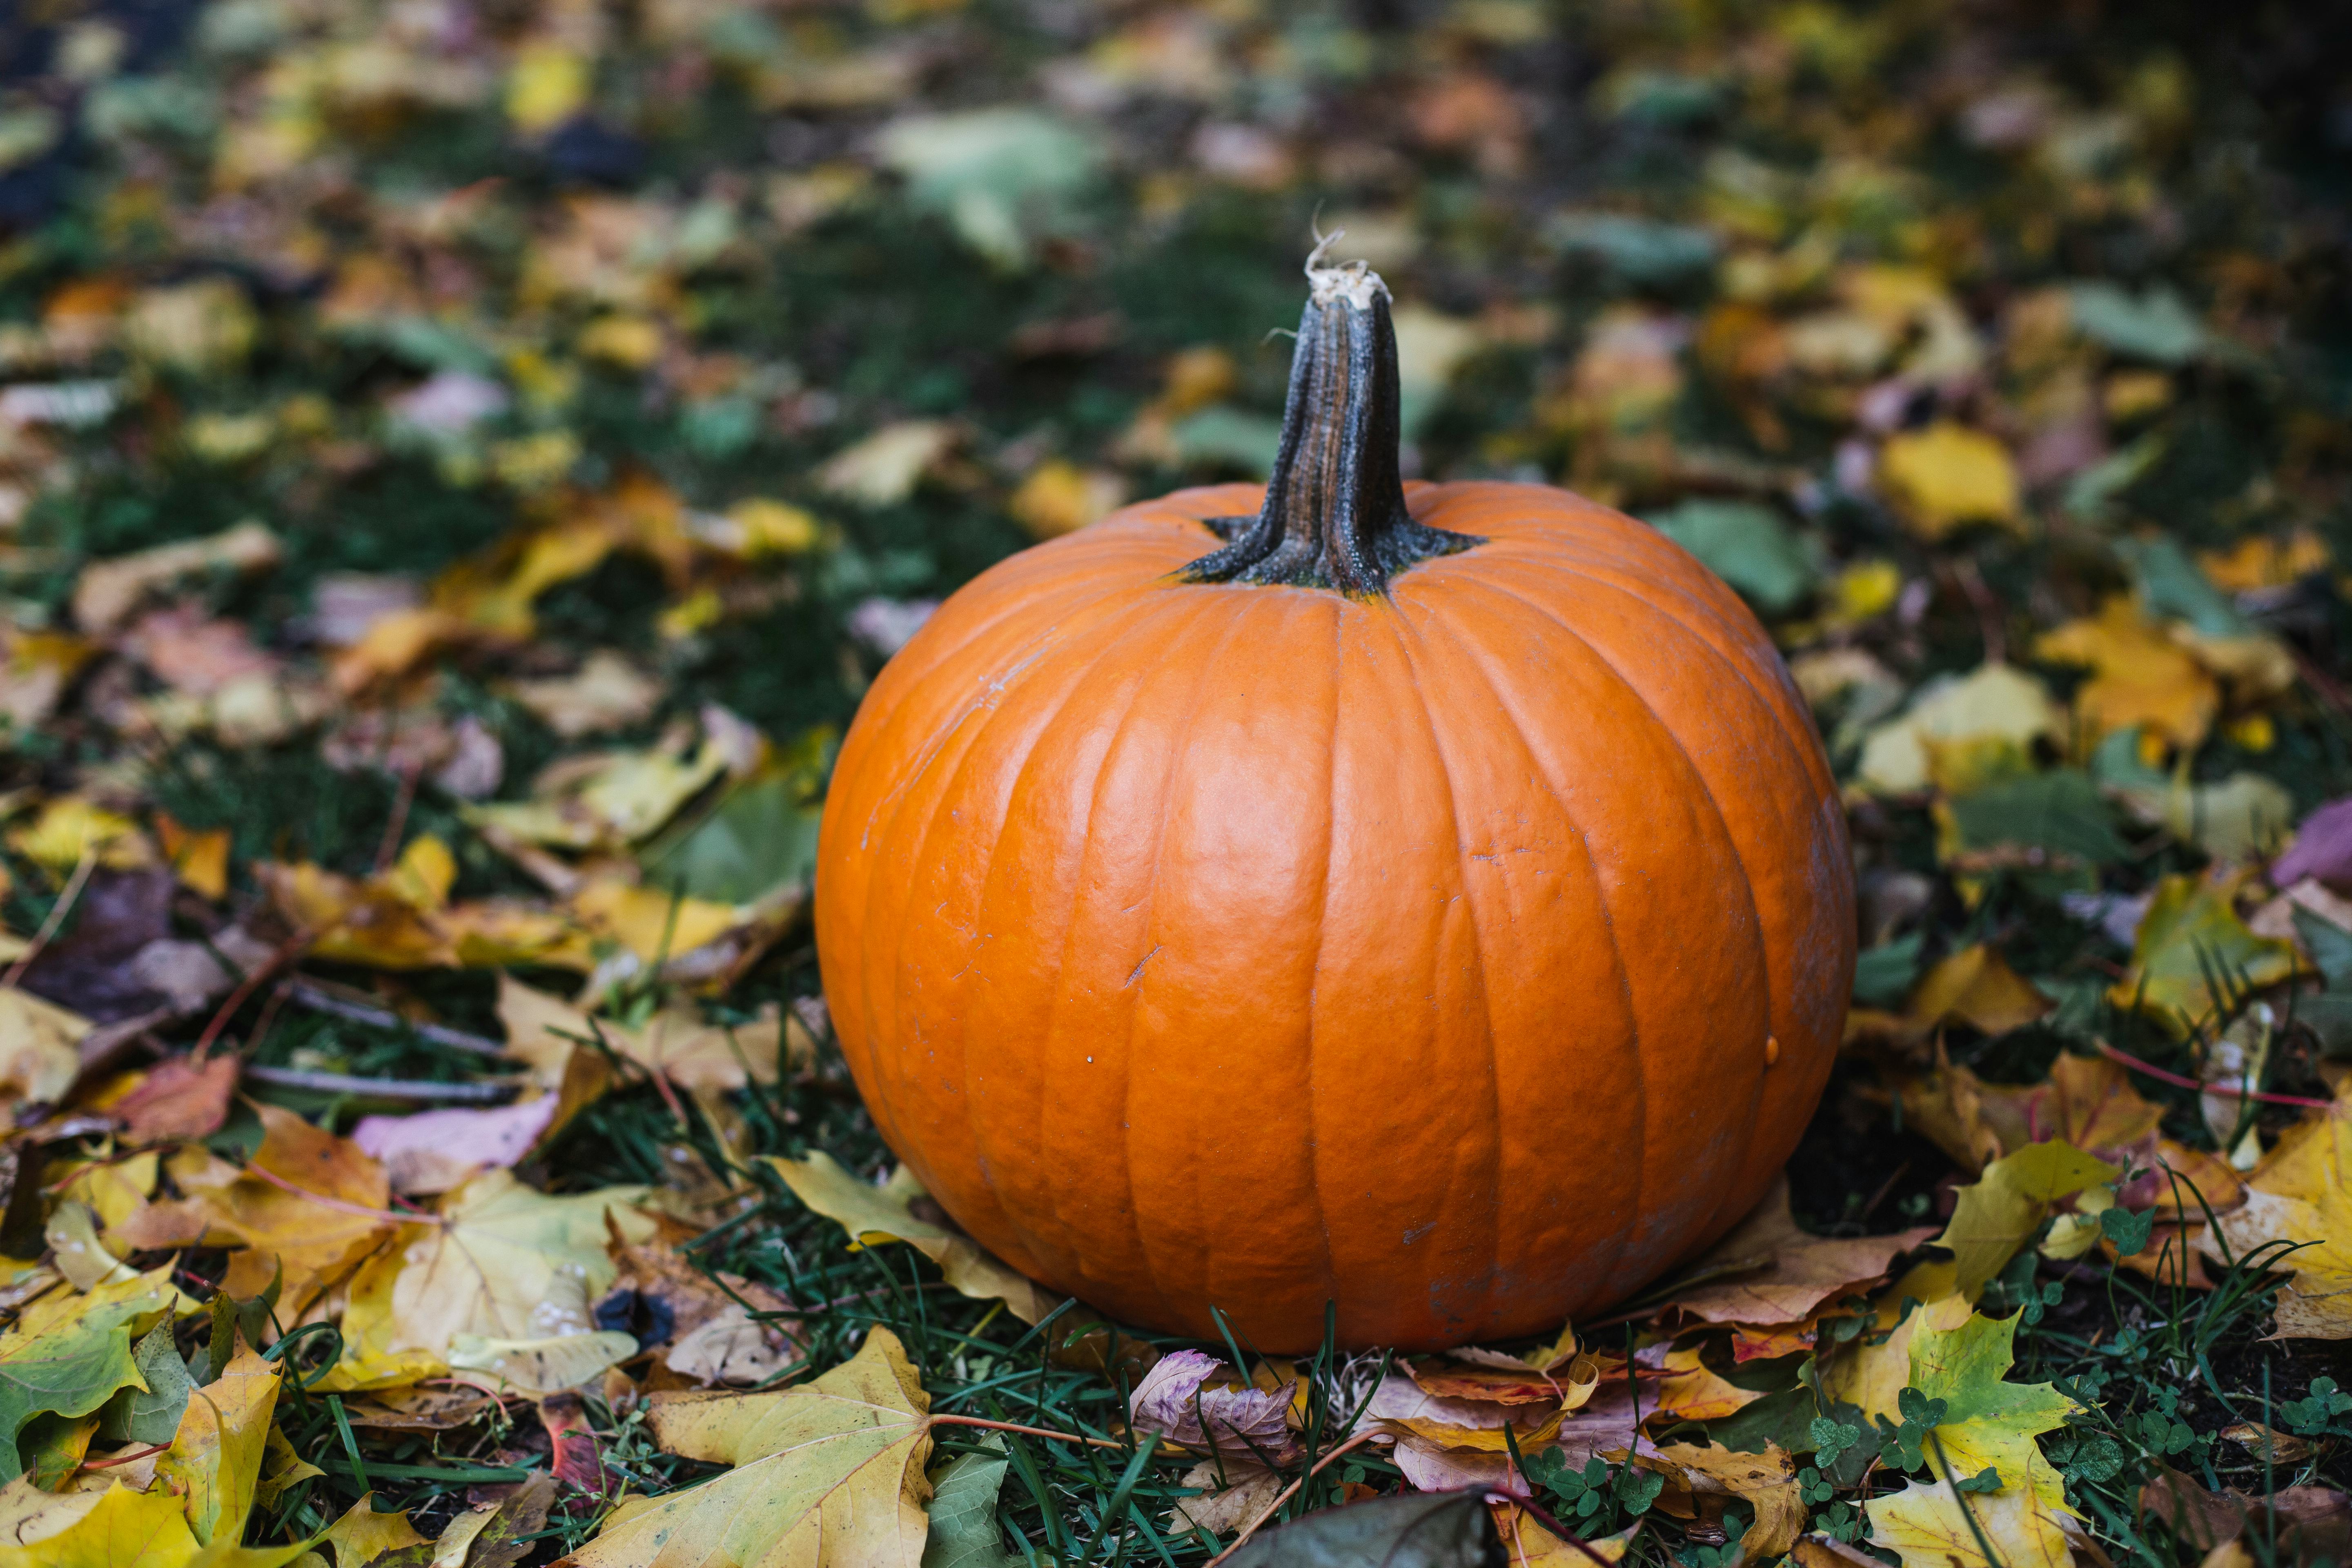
<point>2189,940</point>
<point>70,1352</point>
<point>309,1208</point>
<point>825,1474</point>
<point>2301,1193</point>
<point>508,1279</point>
<point>215,1457</point>
<point>2000,1212</point>
<point>143,1529</point>
<point>1951,1361</point>
<point>872,1213</point>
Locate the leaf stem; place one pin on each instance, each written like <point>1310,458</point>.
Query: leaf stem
<point>1027,1431</point>
<point>1286,1493</point>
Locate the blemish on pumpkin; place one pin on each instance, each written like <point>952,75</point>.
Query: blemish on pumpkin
<point>1146,958</point>
<point>1771,1049</point>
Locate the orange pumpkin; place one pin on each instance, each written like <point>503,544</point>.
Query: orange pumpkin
<point>1431,900</point>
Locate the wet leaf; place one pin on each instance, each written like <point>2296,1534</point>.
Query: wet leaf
<point>2000,1211</point>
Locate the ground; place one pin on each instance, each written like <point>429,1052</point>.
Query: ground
<point>462,464</point>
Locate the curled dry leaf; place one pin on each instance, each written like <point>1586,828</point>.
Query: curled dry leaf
<point>547,1032</point>
<point>1178,1400</point>
<point>1767,1481</point>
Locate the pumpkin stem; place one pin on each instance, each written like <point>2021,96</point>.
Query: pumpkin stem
<point>1335,512</point>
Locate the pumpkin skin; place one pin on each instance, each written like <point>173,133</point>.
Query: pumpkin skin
<point>1465,955</point>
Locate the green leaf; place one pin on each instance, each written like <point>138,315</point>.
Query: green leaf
<point>1747,545</point>
<point>2127,1230</point>
<point>152,1414</point>
<point>1418,1530</point>
<point>2329,944</point>
<point>2061,811</point>
<point>963,1511</point>
<point>75,1365</point>
<point>1883,975</point>
<point>2155,326</point>
<point>761,837</point>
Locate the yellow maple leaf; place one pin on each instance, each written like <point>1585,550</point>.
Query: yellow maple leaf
<point>871,1214</point>
<point>1948,475</point>
<point>2189,940</point>
<point>2140,676</point>
<point>1998,1213</point>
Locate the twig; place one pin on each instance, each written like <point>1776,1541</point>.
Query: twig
<point>286,952</point>
<point>2181,1080</point>
<point>384,1087</point>
<point>388,1216</point>
<point>315,996</point>
<point>1027,1431</point>
<point>401,802</point>
<point>1275,1507</point>
<point>57,917</point>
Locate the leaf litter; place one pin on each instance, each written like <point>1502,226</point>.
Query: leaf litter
<point>458,471</point>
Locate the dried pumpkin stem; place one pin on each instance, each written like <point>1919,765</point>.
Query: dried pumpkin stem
<point>1335,514</point>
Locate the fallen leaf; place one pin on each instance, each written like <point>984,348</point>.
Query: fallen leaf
<point>71,1360</point>
<point>827,1471</point>
<point>511,1268</point>
<point>730,1347</point>
<point>607,693</point>
<point>2322,849</point>
<point>1526,1544</point>
<point>1976,986</point>
<point>1798,1274</point>
<point>1426,1529</point>
<point>1693,1391</point>
<point>1924,1525</point>
<point>2190,938</point>
<point>1058,497</point>
<point>872,1213</point>
<point>200,859</point>
<point>1946,476</point>
<point>2301,1191</point>
<point>1185,1399</point>
<point>178,1099</point>
<point>1233,1492</point>
<point>1998,1213</point>
<point>544,1031</point>
<point>1766,1481</point>
<point>1995,703</point>
<point>323,1213</point>
<point>214,1460</point>
<point>363,1536</point>
<point>1005,179</point>
<point>152,1414</point>
<point>884,469</point>
<point>109,591</point>
<point>37,1060</point>
<point>434,1151</point>
<point>963,1529</point>
<point>143,1529</point>
<point>2141,678</point>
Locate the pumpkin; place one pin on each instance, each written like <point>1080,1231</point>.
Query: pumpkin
<point>1430,901</point>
